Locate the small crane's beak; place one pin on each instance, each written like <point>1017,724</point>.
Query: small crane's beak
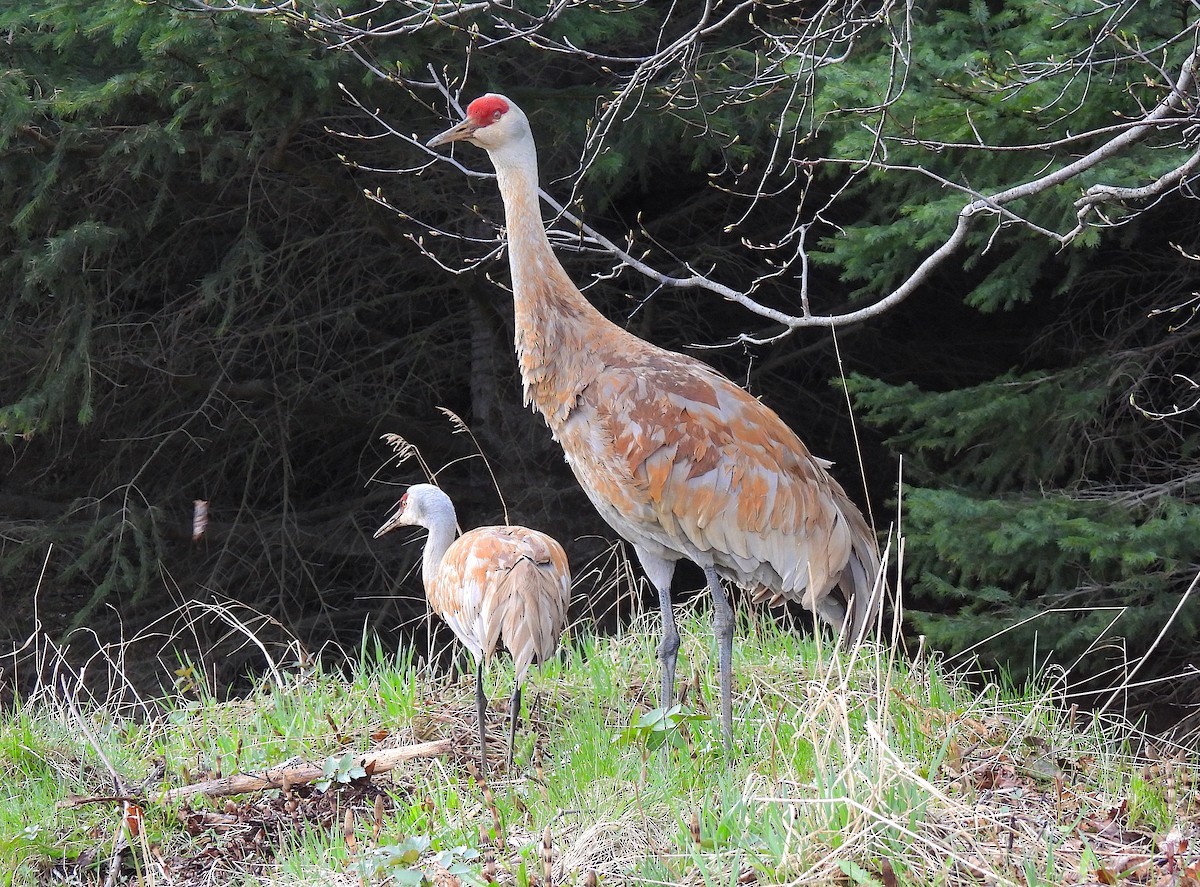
<point>392,522</point>
<point>457,133</point>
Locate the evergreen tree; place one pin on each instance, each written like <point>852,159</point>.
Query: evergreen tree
<point>1053,504</point>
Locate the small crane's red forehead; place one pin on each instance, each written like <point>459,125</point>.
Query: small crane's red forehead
<point>484,108</point>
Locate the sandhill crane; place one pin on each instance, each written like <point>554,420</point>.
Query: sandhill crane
<point>678,460</point>
<point>492,584</point>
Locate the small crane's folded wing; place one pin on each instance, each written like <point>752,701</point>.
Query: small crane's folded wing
<point>465,591</point>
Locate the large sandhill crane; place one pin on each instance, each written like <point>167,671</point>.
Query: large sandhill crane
<point>680,461</point>
<point>492,584</point>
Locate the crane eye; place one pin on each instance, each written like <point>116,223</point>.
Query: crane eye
<point>404,501</point>
<point>496,115</point>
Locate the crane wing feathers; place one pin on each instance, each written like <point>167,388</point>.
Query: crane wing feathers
<point>535,614</point>
<point>676,455</point>
<point>509,584</point>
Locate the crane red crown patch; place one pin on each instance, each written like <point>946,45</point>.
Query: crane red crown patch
<point>487,109</point>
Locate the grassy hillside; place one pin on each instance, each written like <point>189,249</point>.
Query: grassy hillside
<point>849,770</point>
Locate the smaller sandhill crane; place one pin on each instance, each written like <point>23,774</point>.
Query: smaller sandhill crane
<point>492,584</point>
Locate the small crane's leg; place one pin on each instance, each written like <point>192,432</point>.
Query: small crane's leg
<point>480,712</point>
<point>723,629</point>
<point>660,571</point>
<point>514,711</point>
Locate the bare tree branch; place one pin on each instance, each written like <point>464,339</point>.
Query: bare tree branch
<point>784,61</point>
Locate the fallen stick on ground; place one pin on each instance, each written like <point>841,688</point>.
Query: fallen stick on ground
<point>241,783</point>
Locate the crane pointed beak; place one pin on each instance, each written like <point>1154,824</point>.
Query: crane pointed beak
<point>458,133</point>
<point>392,522</point>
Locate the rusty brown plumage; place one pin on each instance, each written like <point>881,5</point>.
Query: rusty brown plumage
<point>676,458</point>
<point>505,585</point>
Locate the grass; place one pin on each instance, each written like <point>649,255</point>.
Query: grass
<point>864,769</point>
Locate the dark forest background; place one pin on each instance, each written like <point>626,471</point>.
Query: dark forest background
<point>226,273</point>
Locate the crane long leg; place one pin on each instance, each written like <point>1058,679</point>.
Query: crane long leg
<point>514,710</point>
<point>723,629</point>
<point>660,571</point>
<point>480,710</point>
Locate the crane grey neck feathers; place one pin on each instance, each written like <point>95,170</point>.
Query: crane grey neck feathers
<point>433,510</point>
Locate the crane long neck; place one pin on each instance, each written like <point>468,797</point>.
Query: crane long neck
<point>557,329</point>
<point>537,275</point>
<point>441,534</point>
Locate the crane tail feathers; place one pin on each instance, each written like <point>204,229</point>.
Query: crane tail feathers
<point>862,584</point>
<point>535,614</point>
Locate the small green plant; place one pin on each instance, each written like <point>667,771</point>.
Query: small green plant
<point>398,863</point>
<point>343,770</point>
<point>658,726</point>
